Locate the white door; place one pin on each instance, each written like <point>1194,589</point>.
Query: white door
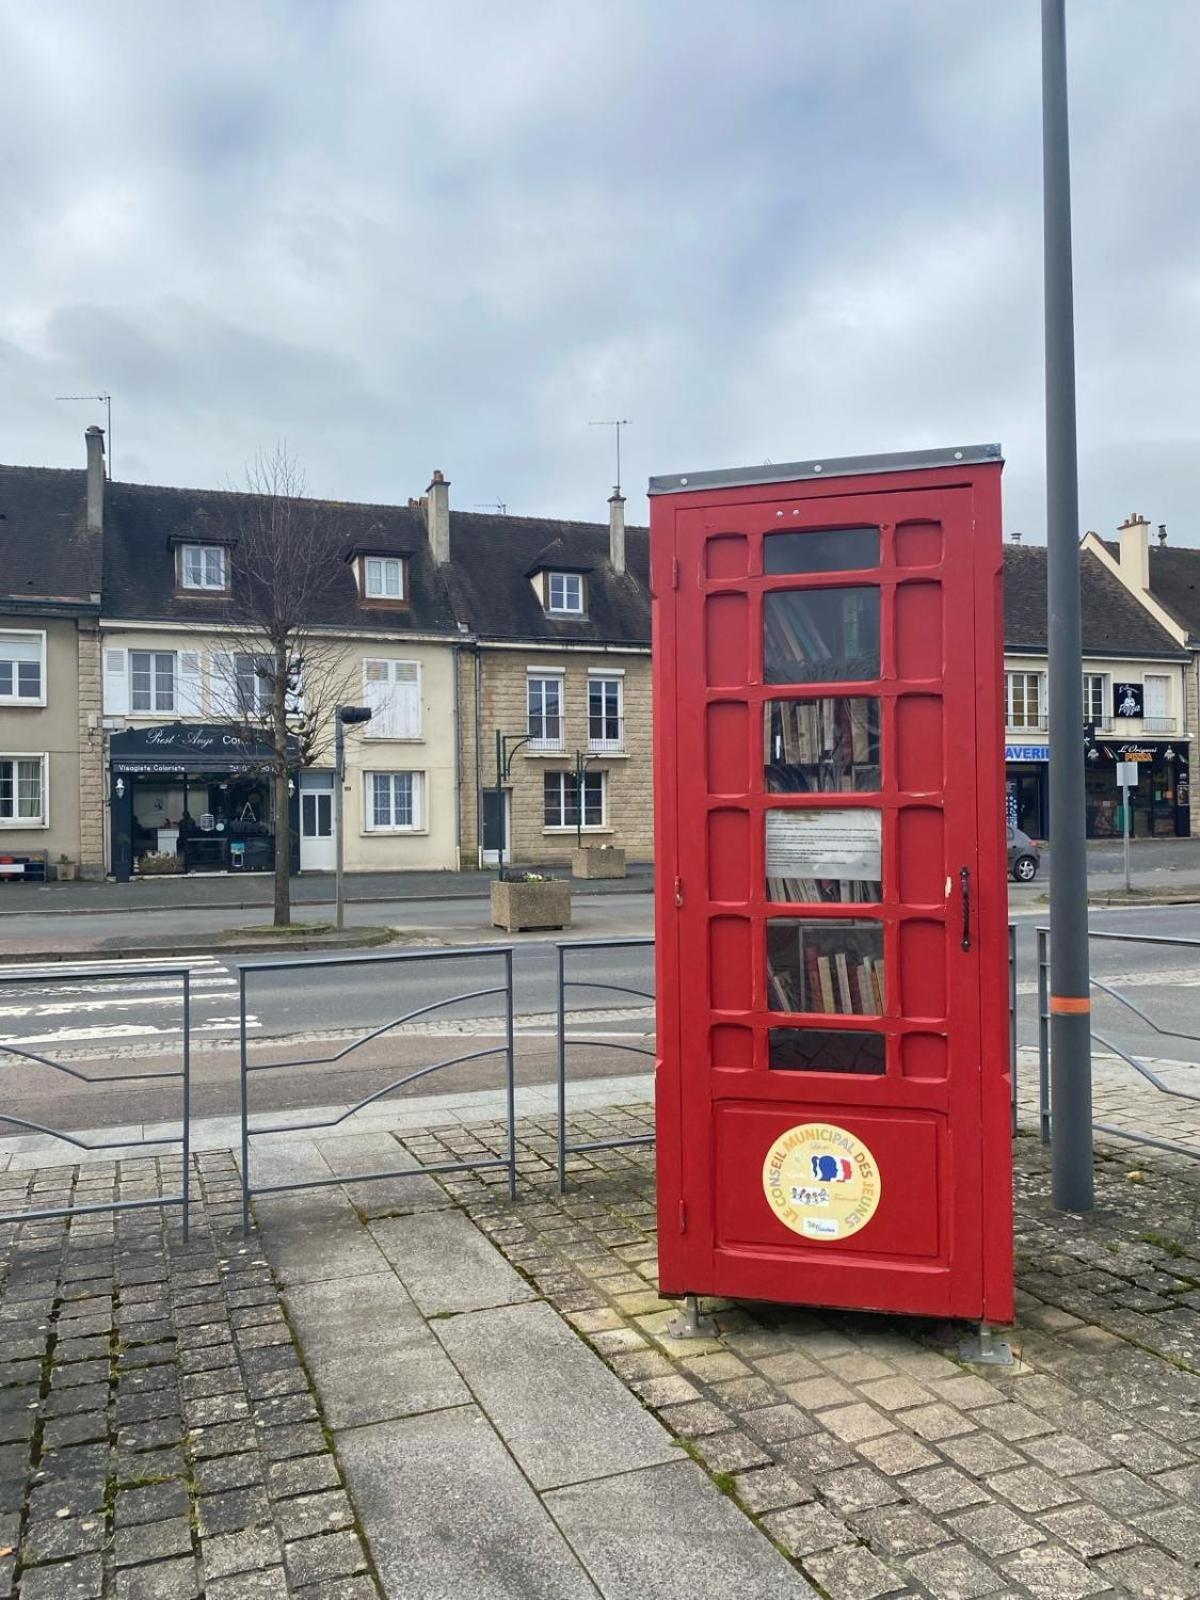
<point>316,822</point>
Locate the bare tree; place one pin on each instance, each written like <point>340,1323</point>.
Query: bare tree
<point>283,672</point>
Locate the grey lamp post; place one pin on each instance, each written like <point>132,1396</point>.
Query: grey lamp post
<point>1070,1003</point>
<point>343,717</point>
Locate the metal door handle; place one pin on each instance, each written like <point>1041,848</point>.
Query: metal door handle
<point>964,882</point>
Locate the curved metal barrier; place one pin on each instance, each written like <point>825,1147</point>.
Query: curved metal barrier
<point>503,953</point>
<point>183,1074</point>
<point>1145,1072</point>
<point>564,950</point>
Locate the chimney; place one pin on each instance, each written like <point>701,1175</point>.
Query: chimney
<point>1135,550</point>
<point>1162,535</point>
<point>1015,536</point>
<point>437,518</point>
<point>94,438</point>
<point>616,529</point>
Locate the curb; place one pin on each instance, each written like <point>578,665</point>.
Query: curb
<point>352,939</point>
<point>633,886</point>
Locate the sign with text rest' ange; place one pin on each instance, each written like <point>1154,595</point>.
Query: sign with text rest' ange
<point>832,1092</point>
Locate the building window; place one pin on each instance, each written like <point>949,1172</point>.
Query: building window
<point>565,591</point>
<point>561,799</point>
<point>393,801</point>
<point>1023,695</point>
<point>23,791</point>
<point>544,699</point>
<point>203,566</point>
<point>1156,704</point>
<point>392,689</point>
<point>384,578</point>
<point>22,669</point>
<point>151,680</point>
<point>254,680</point>
<point>605,719</point>
<point>1095,699</point>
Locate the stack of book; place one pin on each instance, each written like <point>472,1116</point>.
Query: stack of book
<point>821,975</point>
<point>819,746</point>
<point>817,891</point>
<point>814,635</point>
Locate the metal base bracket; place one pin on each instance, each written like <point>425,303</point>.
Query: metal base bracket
<point>690,1322</point>
<point>983,1349</point>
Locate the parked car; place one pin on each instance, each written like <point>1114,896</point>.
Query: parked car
<point>1024,856</point>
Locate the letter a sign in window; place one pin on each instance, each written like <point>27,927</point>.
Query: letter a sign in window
<point>833,1086</point>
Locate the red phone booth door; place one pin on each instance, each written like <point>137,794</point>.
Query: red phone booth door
<point>830,1116</point>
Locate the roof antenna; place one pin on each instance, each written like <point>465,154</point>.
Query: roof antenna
<point>493,505</point>
<point>107,399</point>
<point>618,423</point>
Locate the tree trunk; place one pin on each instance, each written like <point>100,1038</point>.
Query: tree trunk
<point>283,815</point>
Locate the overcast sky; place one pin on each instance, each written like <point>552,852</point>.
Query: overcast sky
<point>407,236</point>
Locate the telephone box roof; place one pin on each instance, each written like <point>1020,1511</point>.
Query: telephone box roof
<point>837,467</point>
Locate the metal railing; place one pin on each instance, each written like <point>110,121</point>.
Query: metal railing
<point>183,1074</point>
<point>503,953</point>
<point>564,950</point>
<point>1133,1135</point>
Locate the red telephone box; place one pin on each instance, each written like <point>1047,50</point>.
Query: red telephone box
<point>833,1081</point>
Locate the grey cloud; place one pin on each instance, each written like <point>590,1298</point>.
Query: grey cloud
<point>405,237</point>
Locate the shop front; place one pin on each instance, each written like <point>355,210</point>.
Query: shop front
<point>1026,770</point>
<point>191,797</point>
<point>1159,804</point>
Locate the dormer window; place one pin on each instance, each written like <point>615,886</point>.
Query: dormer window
<point>564,593</point>
<point>204,567</point>
<point>384,578</point>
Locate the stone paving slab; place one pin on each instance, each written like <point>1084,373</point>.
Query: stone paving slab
<point>369,1351</point>
<point>447,1265</point>
<point>452,1516</point>
<point>563,1415</point>
<point>660,1533</point>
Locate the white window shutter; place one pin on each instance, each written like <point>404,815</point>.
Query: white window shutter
<point>190,689</point>
<point>377,693</point>
<point>222,684</point>
<point>406,699</point>
<point>116,683</point>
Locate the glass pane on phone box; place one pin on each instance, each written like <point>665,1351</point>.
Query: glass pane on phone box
<point>820,635</point>
<point>821,746</point>
<point>826,967</point>
<point>825,1050</point>
<point>821,550</point>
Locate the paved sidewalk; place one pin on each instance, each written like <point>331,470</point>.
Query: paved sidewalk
<point>237,891</point>
<point>415,1387</point>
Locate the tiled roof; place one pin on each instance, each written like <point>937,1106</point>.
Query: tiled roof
<point>46,552</point>
<point>1114,621</point>
<point>491,561</point>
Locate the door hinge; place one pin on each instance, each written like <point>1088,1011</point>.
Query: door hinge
<point>683,1216</point>
<point>674,572</point>
<point>678,891</point>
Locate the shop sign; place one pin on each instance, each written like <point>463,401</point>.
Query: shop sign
<point>1127,700</point>
<point>1026,752</point>
<point>189,747</point>
<point>1133,752</point>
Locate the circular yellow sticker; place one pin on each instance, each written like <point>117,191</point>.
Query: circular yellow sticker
<point>821,1181</point>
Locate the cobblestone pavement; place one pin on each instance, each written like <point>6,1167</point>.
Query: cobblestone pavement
<point>158,1436</point>
<point>871,1455</point>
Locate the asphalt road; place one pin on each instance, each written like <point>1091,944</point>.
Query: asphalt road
<point>112,1022</point>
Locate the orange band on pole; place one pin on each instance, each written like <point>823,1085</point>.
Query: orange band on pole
<point>1063,1005</point>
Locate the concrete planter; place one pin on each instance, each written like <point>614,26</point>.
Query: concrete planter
<point>608,862</point>
<point>519,906</point>
<point>67,871</point>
